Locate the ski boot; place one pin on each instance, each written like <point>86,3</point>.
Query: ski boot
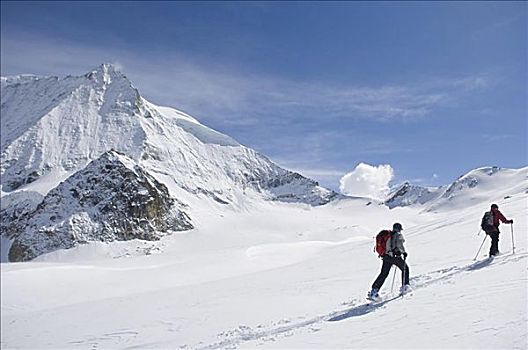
<point>373,294</point>
<point>405,289</point>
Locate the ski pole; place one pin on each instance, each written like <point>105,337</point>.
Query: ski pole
<point>513,241</point>
<point>393,278</point>
<point>478,233</point>
<point>475,258</point>
<point>404,275</point>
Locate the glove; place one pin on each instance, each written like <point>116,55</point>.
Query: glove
<point>397,253</point>
<point>510,222</point>
<point>405,255</point>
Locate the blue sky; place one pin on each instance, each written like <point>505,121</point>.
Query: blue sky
<point>433,89</point>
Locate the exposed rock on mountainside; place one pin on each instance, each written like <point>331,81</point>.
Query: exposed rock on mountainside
<point>111,199</point>
<point>408,194</point>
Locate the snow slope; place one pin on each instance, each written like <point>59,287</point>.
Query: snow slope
<point>273,275</point>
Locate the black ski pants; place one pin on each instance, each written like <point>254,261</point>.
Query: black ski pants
<point>494,249</point>
<point>388,261</point>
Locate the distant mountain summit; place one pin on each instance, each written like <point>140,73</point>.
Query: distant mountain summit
<point>52,128</point>
<point>486,183</point>
<point>407,194</point>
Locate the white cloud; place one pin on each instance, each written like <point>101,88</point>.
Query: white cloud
<point>367,181</point>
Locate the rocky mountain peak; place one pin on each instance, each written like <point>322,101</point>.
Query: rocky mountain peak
<point>407,194</point>
<point>106,73</point>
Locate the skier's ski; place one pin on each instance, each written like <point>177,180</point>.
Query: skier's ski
<point>384,299</point>
<point>364,308</point>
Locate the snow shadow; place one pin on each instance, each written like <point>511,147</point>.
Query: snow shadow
<point>479,264</point>
<point>361,310</point>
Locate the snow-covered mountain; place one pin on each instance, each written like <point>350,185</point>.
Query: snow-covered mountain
<point>56,126</point>
<point>407,194</point>
<point>477,185</point>
<point>52,128</point>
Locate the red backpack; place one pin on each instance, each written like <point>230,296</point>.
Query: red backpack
<point>381,242</point>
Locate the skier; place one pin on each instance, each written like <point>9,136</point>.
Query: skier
<point>493,230</point>
<point>392,255</point>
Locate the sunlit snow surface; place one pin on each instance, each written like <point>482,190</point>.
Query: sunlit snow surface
<point>253,273</point>
<point>272,275</point>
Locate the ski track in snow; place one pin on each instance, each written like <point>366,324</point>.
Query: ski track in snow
<point>116,337</point>
<point>284,328</point>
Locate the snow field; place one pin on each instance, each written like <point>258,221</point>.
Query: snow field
<point>271,276</point>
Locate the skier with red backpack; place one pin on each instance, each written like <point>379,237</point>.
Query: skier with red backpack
<point>389,246</point>
<point>490,224</point>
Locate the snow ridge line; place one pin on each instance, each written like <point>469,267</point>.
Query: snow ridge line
<point>358,308</point>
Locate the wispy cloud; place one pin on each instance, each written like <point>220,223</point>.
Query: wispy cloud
<point>496,137</point>
<point>501,24</point>
<point>305,125</point>
<point>215,93</point>
<point>472,83</point>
